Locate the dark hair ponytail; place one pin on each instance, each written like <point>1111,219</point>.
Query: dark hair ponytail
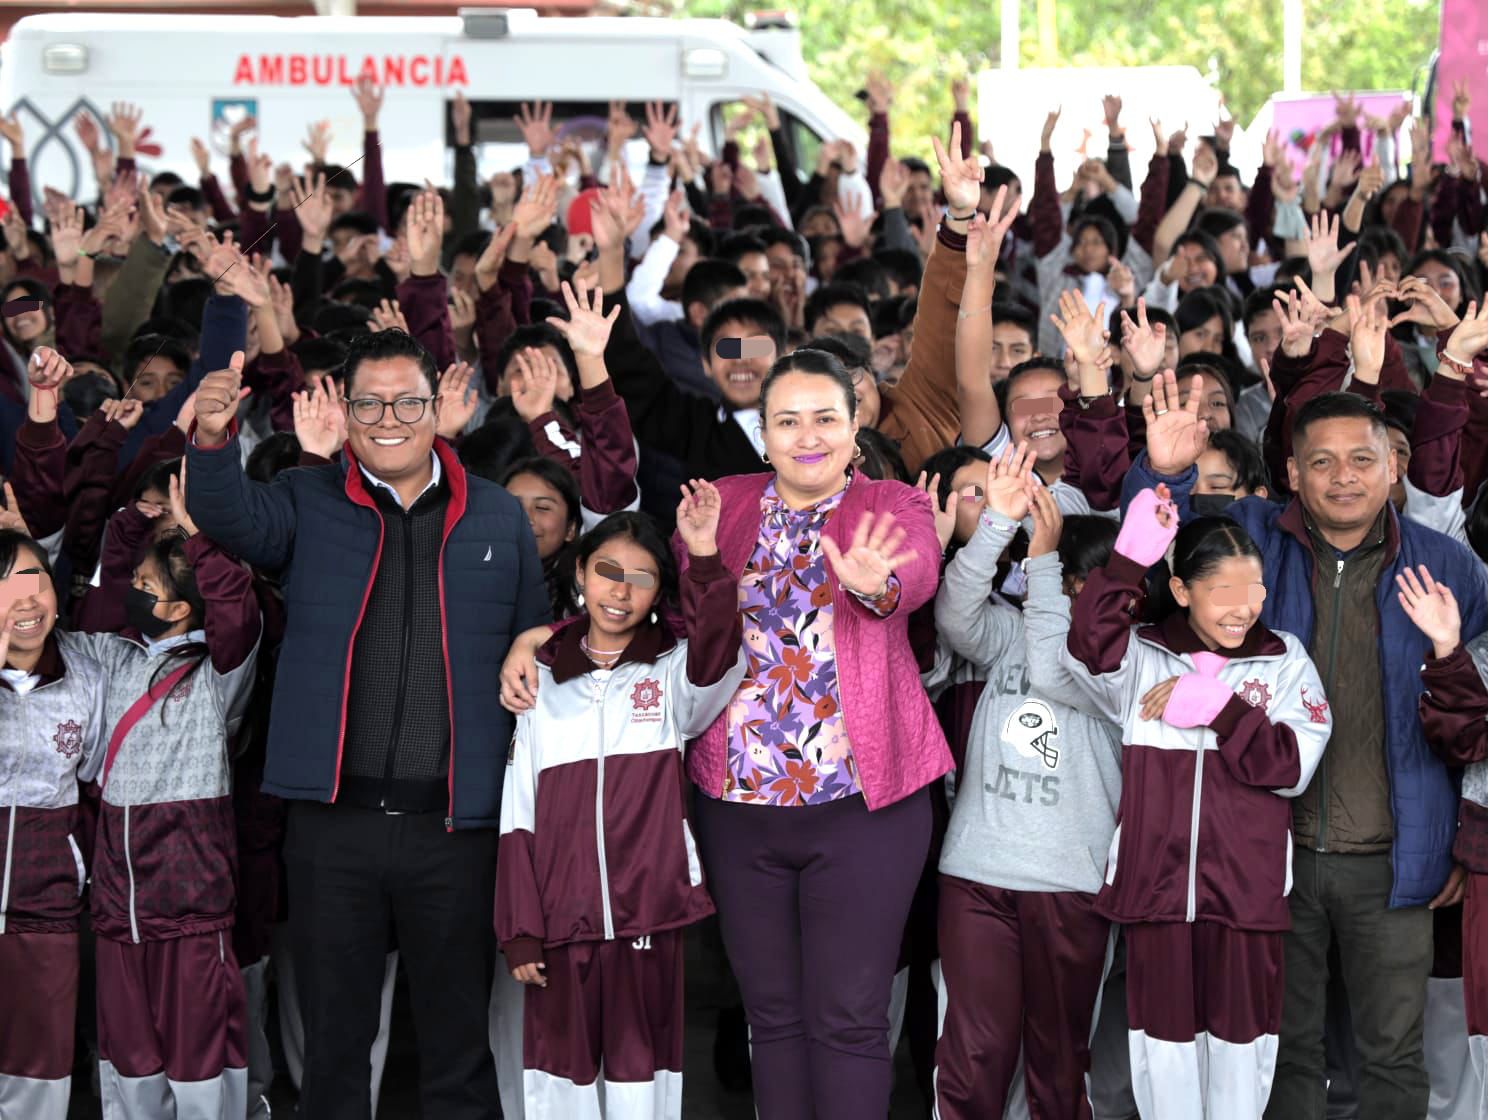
<point>178,581</point>
<point>1201,546</point>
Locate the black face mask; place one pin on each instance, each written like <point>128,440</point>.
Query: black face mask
<point>139,612</point>
<point>1211,505</point>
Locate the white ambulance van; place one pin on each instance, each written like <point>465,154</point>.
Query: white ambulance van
<point>194,75</point>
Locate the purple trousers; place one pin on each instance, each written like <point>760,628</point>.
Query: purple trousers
<point>812,902</point>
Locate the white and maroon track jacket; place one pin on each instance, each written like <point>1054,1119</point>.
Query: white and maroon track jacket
<point>52,735</point>
<point>1204,828</point>
<point>595,843</point>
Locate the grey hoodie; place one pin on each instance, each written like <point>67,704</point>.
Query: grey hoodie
<point>1036,804</point>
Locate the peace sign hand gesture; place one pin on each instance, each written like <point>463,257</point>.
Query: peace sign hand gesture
<point>871,557</point>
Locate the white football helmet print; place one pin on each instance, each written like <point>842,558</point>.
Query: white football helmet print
<point>1031,730</point>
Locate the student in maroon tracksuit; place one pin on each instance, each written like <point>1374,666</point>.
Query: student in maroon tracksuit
<point>1222,720</point>
<point>588,910</point>
<point>180,669</point>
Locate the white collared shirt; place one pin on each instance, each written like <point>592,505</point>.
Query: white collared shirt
<point>433,481</point>
<point>749,420</point>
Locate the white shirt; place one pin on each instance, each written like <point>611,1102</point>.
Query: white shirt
<point>749,420</point>
<point>433,481</point>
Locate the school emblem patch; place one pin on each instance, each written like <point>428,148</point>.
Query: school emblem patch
<point>646,694</point>
<point>69,739</point>
<point>1256,693</point>
<point>1317,710</point>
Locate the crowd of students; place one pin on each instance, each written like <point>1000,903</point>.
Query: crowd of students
<point>1058,634</point>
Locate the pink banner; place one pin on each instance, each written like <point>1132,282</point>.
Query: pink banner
<point>1300,120</point>
<point>1464,54</point>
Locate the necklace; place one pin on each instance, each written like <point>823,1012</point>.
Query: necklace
<point>603,658</point>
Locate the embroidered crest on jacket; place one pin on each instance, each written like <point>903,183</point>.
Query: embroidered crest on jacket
<point>1317,710</point>
<point>646,694</point>
<point>1256,693</point>
<point>69,739</point>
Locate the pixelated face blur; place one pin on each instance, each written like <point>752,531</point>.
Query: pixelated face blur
<point>739,379</point>
<point>155,378</point>
<point>1206,338</point>
<point>1342,470</point>
<point>1033,406</point>
<point>26,592</point>
<point>1090,252</point>
<point>1224,603</point>
<point>618,607</point>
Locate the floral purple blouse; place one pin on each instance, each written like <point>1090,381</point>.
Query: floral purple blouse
<point>787,742</point>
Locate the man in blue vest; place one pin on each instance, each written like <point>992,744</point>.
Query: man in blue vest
<point>405,580</point>
<point>1373,831</point>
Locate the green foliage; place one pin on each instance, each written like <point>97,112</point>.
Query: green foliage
<point>920,45</point>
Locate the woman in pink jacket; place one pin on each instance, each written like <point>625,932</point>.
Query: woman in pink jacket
<point>814,820</point>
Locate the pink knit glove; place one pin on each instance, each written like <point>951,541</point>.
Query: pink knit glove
<point>1196,700</point>
<point>1143,538</point>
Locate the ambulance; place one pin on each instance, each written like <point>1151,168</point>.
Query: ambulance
<point>195,75</point>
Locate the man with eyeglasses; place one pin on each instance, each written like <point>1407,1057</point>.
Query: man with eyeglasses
<point>404,580</point>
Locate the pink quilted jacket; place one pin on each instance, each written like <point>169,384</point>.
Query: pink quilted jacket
<point>896,739</point>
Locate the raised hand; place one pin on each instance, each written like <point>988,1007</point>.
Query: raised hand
<point>1426,305</point>
<point>217,399</point>
<point>388,316</point>
<point>461,310</point>
<point>1176,437</point>
<point>856,226</point>
<point>945,516</point>
<point>1367,338</point>
<point>457,399</point>
<point>1009,480</point>
<point>535,122</point>
<point>67,235</point>
<point>320,418</point>
<point>586,328</point>
<point>424,228</point>
<point>960,179</point>
<point>177,500</point>
<point>124,123</point>
<point>317,140</point>
<point>537,207</point>
<point>1471,335</point>
<point>871,556</point>
<point>10,518</point>
<point>493,256</point>
<point>1048,521</point>
<point>1461,99</point>
<point>1432,607</point>
<point>126,413</point>
<point>368,96</point>
<point>87,132</point>
<point>1323,253</point>
<point>661,126</point>
<point>534,383</point>
<point>1084,333</point>
<point>893,182</point>
<point>763,105</point>
<point>1111,107</point>
<point>697,517</point>
<point>1297,330</point>
<point>460,120</point>
<point>10,130</point>
<point>1144,343</point>
<point>880,94</point>
<point>1046,137</point>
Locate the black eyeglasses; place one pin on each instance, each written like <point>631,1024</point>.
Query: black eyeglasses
<point>406,410</point>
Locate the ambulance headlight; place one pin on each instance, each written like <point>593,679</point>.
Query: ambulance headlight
<point>64,58</point>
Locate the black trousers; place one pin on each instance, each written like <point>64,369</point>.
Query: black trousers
<point>354,875</point>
